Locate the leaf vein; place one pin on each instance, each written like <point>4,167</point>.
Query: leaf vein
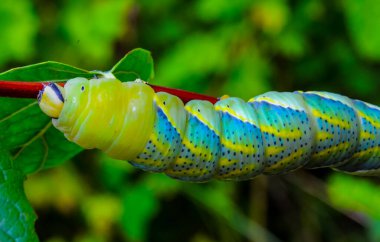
<point>34,138</point>
<point>18,111</point>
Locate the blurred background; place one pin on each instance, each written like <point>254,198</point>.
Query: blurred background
<point>242,48</point>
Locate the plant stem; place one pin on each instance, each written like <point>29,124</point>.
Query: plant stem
<point>20,89</point>
<point>185,96</point>
<point>30,90</point>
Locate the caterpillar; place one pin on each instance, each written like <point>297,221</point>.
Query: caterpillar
<point>273,133</point>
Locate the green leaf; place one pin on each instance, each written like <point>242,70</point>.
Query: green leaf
<point>45,71</point>
<point>137,63</point>
<point>25,131</point>
<point>139,205</point>
<point>45,150</point>
<point>20,120</point>
<point>28,134</point>
<point>16,215</point>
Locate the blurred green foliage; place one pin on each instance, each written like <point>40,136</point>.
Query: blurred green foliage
<point>19,26</point>
<point>241,48</point>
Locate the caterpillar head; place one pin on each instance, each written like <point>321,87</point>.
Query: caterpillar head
<point>102,113</point>
<point>51,99</point>
<point>54,99</point>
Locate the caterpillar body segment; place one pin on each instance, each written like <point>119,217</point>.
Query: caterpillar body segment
<point>166,136</point>
<point>242,145</point>
<point>272,133</point>
<point>366,157</point>
<point>287,130</point>
<point>107,114</point>
<point>199,150</point>
<point>336,126</point>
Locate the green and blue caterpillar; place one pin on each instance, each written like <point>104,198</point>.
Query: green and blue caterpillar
<point>272,133</point>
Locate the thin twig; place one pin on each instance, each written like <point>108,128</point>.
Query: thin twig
<point>30,90</point>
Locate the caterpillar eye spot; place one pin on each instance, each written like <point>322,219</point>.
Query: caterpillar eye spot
<point>199,110</point>
<point>82,88</point>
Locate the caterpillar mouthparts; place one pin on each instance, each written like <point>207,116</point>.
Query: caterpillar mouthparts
<point>51,99</point>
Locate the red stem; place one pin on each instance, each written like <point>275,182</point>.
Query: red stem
<point>185,96</point>
<point>20,89</point>
<point>31,89</point>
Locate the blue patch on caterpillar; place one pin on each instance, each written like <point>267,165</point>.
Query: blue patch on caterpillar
<point>199,153</point>
<point>161,149</point>
<point>244,151</point>
<point>336,130</point>
<point>287,136</point>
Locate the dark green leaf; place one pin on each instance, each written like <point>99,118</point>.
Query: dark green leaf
<point>30,136</point>
<point>45,71</point>
<point>138,63</point>
<point>20,121</point>
<point>48,150</point>
<point>26,132</point>
<point>16,215</point>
